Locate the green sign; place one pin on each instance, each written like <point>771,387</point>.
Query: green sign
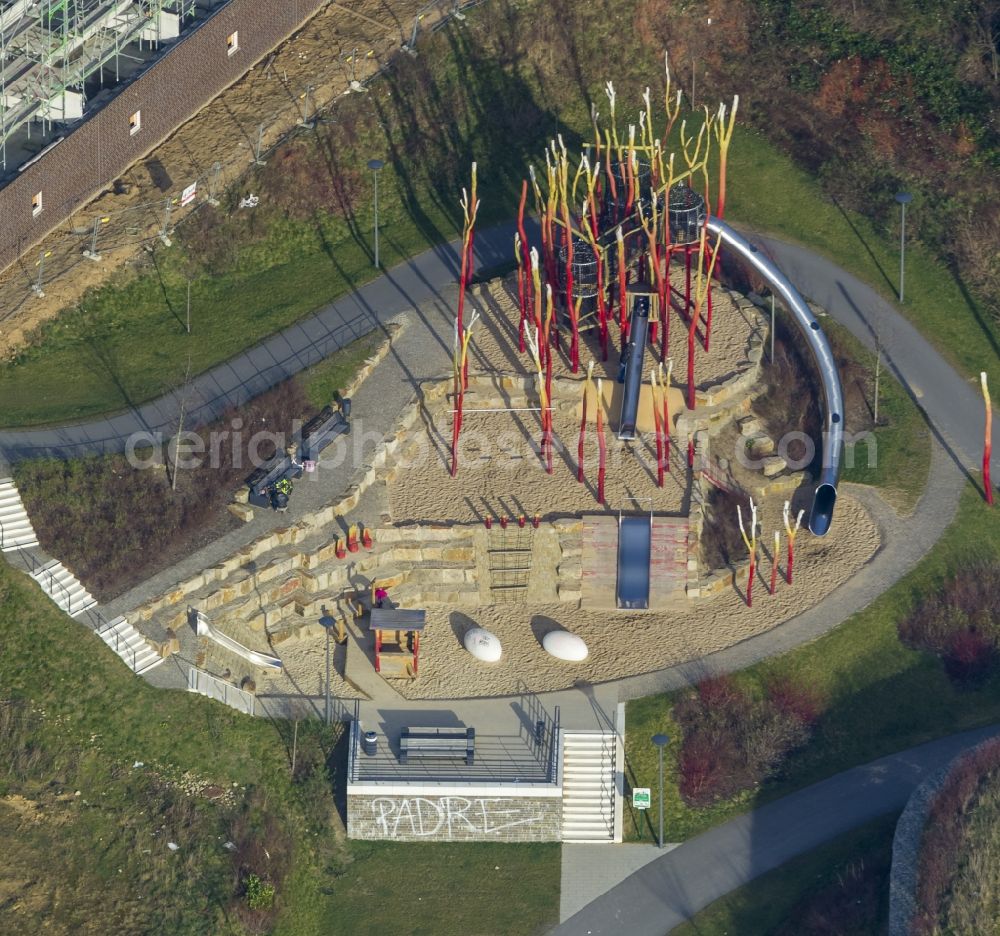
<point>640,797</point>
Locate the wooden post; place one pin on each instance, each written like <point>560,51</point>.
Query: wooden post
<point>601,443</point>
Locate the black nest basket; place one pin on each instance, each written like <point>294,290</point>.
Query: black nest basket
<point>584,268</point>
<point>686,214</point>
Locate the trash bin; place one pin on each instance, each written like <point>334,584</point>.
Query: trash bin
<point>370,743</point>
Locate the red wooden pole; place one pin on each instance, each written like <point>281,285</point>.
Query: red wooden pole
<point>692,327</point>
<point>687,281</point>
<point>753,568</point>
<point>523,305</point>
<point>602,447</point>
<point>791,560</point>
<point>623,323</point>
<point>666,422</point>
<point>987,440</point>
<point>602,309</point>
<point>657,427</point>
<point>708,316</point>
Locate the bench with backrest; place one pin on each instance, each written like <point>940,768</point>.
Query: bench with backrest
<point>438,742</point>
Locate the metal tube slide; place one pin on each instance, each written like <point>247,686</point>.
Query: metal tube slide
<point>634,356</point>
<point>825,496</point>
<point>265,660</point>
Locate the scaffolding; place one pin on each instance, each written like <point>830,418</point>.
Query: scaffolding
<point>50,48</point>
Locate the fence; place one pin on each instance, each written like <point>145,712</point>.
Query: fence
<point>103,229</point>
<point>207,685</point>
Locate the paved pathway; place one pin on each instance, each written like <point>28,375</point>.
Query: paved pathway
<point>953,410</point>
<point>407,286</point>
<point>669,890</point>
<point>951,405</point>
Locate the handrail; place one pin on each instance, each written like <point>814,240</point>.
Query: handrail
<point>553,768</point>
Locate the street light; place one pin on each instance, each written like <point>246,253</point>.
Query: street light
<point>661,741</point>
<point>376,165</point>
<point>327,623</point>
<point>904,198</point>
<point>694,68</point>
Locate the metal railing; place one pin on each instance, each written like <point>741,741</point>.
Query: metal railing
<point>221,690</point>
<point>117,644</point>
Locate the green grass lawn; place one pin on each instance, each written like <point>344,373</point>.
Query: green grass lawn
<point>843,884</point>
<point>769,192</point>
<point>321,381</point>
<point>878,696</point>
<point>127,343</point>
<point>72,718</point>
<point>900,460</point>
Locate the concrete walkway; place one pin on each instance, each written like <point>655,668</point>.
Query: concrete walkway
<point>953,410</point>
<point>950,403</point>
<point>408,286</point>
<point>671,889</point>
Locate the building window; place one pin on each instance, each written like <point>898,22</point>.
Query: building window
<point>135,123</point>
<point>36,204</point>
<point>232,42</point>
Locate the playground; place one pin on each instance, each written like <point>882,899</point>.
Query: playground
<point>553,489</point>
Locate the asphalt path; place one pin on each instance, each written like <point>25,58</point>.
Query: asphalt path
<point>671,889</point>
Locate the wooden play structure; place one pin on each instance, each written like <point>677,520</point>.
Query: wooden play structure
<point>397,641</point>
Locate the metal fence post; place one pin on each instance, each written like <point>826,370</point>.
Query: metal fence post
<point>36,287</point>
<point>304,120</point>
<point>259,148</point>
<point>165,230</point>
<point>91,253</point>
<point>213,185</point>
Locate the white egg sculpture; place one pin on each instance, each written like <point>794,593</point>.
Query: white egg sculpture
<point>565,646</point>
<point>483,645</point>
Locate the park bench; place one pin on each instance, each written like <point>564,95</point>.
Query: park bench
<point>322,429</point>
<point>438,742</point>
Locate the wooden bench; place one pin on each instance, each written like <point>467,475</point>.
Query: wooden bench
<point>438,742</point>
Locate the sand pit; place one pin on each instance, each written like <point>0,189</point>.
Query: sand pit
<point>499,471</point>
<point>494,343</point>
<point>621,644</point>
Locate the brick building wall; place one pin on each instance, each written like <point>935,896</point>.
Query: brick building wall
<point>189,75</point>
<point>461,816</point>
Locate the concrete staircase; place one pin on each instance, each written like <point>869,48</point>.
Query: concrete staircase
<point>16,531</point>
<point>129,644</point>
<point>63,587</point>
<point>588,802</point>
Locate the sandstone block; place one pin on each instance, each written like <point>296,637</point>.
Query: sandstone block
<point>773,465</point>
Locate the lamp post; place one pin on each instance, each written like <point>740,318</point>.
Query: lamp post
<point>376,165</point>
<point>904,198</point>
<point>327,623</point>
<point>661,741</point>
<point>694,69</point>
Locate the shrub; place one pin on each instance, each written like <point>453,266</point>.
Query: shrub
<point>260,896</point>
<point>733,739</point>
<point>721,543</point>
<point>114,525</point>
<point>958,623</point>
<point>799,701</point>
<point>946,860</point>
